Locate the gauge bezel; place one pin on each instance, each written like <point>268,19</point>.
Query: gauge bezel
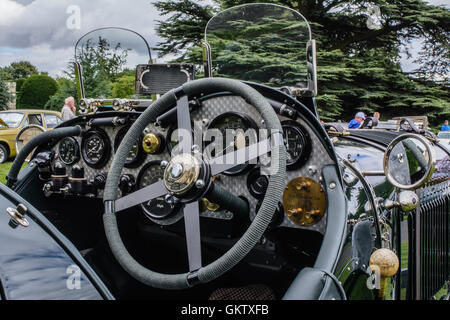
<point>253,175</point>
<point>251,124</point>
<point>106,155</point>
<point>141,154</point>
<point>145,210</point>
<point>169,134</point>
<point>77,152</point>
<point>306,152</point>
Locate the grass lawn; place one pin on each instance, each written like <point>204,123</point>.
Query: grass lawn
<point>4,169</point>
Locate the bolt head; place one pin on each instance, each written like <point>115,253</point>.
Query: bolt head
<point>163,164</point>
<point>200,184</point>
<point>169,199</point>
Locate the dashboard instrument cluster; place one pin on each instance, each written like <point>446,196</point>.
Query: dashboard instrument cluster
<point>232,124</point>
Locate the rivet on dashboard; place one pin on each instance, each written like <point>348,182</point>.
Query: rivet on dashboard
<point>200,184</point>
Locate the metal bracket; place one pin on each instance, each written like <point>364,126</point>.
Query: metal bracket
<point>18,216</point>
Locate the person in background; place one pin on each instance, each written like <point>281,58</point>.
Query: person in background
<point>69,111</point>
<point>356,123</point>
<point>445,126</point>
<point>376,115</point>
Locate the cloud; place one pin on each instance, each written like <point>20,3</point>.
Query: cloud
<point>9,12</point>
<point>40,27</point>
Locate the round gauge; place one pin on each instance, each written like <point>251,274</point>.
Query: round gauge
<point>297,142</point>
<point>237,131</point>
<point>136,155</point>
<point>69,151</point>
<point>156,208</point>
<point>95,148</point>
<point>172,141</point>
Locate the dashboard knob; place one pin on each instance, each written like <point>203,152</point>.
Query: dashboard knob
<point>126,184</point>
<point>60,170</point>
<point>100,181</point>
<point>151,143</point>
<point>77,172</point>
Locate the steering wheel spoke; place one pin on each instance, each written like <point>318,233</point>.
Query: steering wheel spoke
<point>184,125</point>
<point>148,193</point>
<point>240,156</point>
<point>192,228</point>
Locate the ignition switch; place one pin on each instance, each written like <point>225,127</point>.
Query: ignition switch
<point>126,184</point>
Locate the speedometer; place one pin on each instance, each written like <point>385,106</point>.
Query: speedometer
<point>236,131</point>
<point>95,148</point>
<point>297,142</point>
<point>156,208</point>
<point>69,151</point>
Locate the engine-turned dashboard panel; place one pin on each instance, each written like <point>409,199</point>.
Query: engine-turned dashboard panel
<point>82,163</point>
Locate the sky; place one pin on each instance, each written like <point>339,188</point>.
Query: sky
<point>44,31</point>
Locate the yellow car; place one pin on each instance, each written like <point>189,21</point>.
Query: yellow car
<point>12,121</point>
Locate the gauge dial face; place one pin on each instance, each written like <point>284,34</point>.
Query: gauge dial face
<point>297,142</point>
<point>156,208</point>
<point>236,130</point>
<point>136,155</point>
<point>96,148</point>
<point>69,151</point>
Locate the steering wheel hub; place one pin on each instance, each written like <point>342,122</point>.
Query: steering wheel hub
<point>181,173</point>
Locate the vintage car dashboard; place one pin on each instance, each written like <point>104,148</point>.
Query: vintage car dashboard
<point>80,164</point>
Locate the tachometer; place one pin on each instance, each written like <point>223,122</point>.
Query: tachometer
<point>156,208</point>
<point>136,155</point>
<point>69,151</point>
<point>297,142</point>
<point>237,131</point>
<point>95,148</point>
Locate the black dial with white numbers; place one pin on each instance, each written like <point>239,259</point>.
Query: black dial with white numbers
<point>69,151</point>
<point>96,148</point>
<point>297,142</point>
<point>136,155</point>
<point>156,208</point>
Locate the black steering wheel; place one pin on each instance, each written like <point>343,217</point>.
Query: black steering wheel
<point>187,178</point>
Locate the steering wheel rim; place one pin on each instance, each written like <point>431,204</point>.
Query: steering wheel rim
<point>201,274</point>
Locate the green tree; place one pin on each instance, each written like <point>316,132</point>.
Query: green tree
<point>102,64</point>
<point>22,69</point>
<point>5,95</point>
<point>66,88</point>
<point>36,91</point>
<point>358,66</point>
<point>19,84</point>
<point>123,87</point>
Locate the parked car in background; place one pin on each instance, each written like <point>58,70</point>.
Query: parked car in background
<point>12,121</point>
<point>444,137</point>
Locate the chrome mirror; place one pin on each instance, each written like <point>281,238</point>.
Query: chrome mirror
<point>409,161</point>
